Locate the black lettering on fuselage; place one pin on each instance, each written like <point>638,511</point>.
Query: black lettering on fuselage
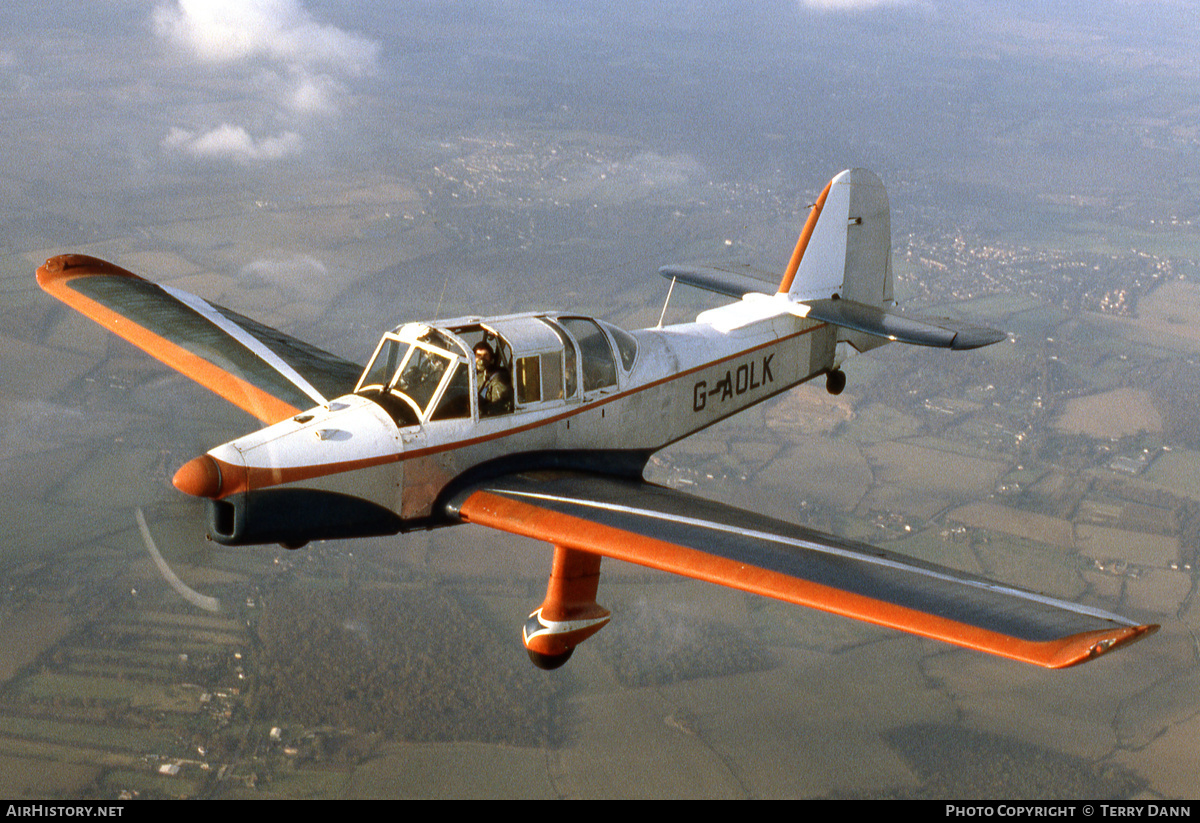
<point>753,374</point>
<point>726,387</point>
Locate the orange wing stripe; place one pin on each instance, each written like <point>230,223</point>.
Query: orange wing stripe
<point>54,277</point>
<point>514,516</point>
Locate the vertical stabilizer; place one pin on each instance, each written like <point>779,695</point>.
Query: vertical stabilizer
<point>847,252</point>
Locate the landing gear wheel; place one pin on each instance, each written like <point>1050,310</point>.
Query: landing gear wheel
<point>835,381</point>
<point>549,662</point>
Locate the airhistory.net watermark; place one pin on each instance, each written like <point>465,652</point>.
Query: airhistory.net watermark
<point>61,810</point>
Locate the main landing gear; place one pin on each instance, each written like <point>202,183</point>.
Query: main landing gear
<point>835,381</point>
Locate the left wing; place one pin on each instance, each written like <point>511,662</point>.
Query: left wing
<point>664,529</point>
<point>259,369</point>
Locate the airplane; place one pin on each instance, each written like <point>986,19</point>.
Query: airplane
<point>541,423</point>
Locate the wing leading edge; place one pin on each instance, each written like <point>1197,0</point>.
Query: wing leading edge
<point>259,369</point>
<point>664,529</point>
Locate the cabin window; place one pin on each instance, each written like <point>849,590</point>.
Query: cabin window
<point>383,365</point>
<point>529,379</point>
<point>570,373</point>
<point>626,346</point>
<point>421,375</point>
<point>552,376</point>
<point>539,377</point>
<point>404,377</point>
<point>599,365</point>
<point>495,386</point>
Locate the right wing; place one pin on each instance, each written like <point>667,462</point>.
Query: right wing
<point>661,528</point>
<point>259,369</point>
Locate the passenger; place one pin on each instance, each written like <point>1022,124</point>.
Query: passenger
<point>495,388</point>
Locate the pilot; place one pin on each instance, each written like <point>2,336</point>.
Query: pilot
<point>495,390</point>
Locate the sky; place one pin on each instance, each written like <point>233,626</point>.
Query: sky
<point>335,168</point>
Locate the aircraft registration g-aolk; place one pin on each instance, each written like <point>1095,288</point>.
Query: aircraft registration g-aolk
<point>541,424</point>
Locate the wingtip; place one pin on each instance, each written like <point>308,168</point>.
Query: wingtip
<point>1084,647</point>
<point>976,337</point>
<point>65,266</point>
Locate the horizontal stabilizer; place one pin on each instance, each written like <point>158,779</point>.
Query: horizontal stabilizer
<point>941,332</point>
<point>729,279</point>
<point>739,279</point>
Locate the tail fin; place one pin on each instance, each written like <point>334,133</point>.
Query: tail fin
<point>841,271</point>
<point>845,250</point>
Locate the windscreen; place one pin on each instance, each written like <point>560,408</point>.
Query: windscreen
<point>405,377</point>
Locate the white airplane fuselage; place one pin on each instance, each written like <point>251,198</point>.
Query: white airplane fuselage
<point>351,456</point>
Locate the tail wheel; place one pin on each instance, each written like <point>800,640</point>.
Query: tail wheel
<point>835,381</point>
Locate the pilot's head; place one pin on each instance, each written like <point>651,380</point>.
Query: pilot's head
<point>484,355</point>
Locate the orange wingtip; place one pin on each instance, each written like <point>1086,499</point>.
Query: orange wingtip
<point>66,266</point>
<point>1072,651</point>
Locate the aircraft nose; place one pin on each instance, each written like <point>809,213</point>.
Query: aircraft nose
<point>199,477</point>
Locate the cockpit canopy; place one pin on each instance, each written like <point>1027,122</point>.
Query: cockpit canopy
<point>414,367</point>
<point>475,367</point>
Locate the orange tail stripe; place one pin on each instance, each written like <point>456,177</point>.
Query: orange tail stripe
<point>785,285</point>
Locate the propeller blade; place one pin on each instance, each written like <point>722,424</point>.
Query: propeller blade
<point>189,594</point>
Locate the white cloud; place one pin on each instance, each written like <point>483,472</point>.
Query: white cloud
<point>234,143</point>
<point>225,31</point>
<point>299,276</point>
<point>315,95</point>
<point>299,66</point>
